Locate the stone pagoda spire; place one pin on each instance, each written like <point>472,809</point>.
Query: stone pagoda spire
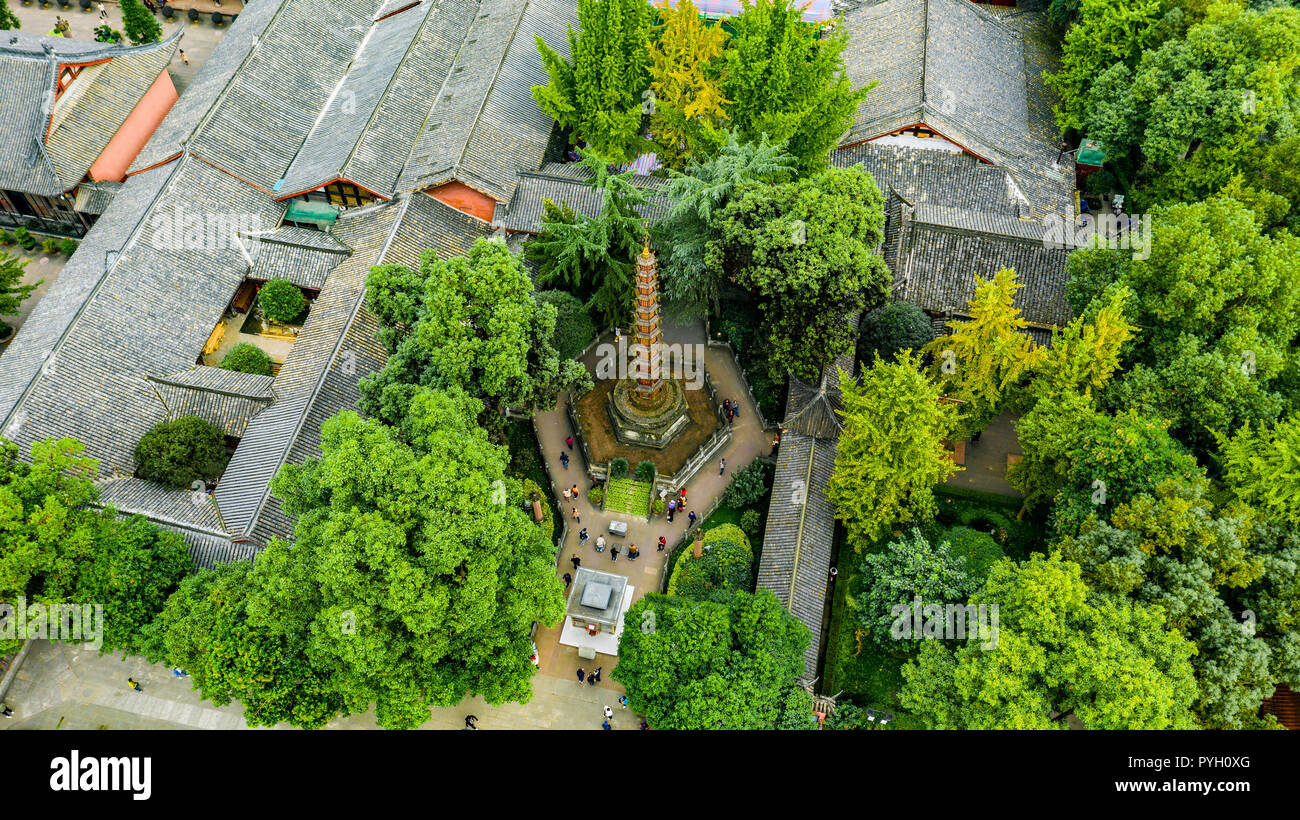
<point>649,331</point>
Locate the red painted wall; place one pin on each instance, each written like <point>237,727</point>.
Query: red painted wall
<point>139,126</point>
<point>464,198</point>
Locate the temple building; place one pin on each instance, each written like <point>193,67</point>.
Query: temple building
<point>75,117</point>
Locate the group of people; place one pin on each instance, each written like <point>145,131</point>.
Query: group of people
<point>731,409</point>
<point>592,679</point>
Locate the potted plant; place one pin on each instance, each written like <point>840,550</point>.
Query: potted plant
<point>596,495</point>
<point>24,238</point>
<point>85,5</point>
<point>217,18</point>
<point>68,246</point>
<point>618,467</point>
<point>6,238</point>
<point>50,245</point>
<point>193,14</point>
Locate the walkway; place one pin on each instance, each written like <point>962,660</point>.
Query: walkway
<point>646,573</point>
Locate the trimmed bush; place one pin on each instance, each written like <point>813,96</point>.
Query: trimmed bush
<point>596,495</point>
<point>50,245</point>
<point>574,329</point>
<point>726,566</point>
<point>68,246</point>
<point>85,5</point>
<point>891,328</point>
<point>178,453</point>
<point>24,238</point>
<point>645,471</point>
<point>218,18</point>
<point>247,358</point>
<point>751,522</point>
<point>747,486</point>
<point>281,300</point>
<point>618,467</point>
<point>168,12</point>
<point>193,14</point>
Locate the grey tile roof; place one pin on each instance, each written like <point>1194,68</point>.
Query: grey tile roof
<point>94,197</point>
<point>223,397</point>
<point>301,255</point>
<point>183,508</point>
<point>229,54</point>
<point>484,126</point>
<point>269,105</point>
<point>930,176</point>
<point>935,254</point>
<point>799,539</point>
<point>968,75</point>
<point>45,148</point>
<point>565,184</point>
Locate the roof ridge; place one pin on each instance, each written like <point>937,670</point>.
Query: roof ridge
<point>496,75</point>
<point>213,390</point>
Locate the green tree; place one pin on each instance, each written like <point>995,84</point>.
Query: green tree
<point>207,629</point>
<point>1059,651</point>
<point>985,356</point>
<point>1085,355</point>
<point>691,287</point>
<point>910,567</point>
<point>594,256</point>
<point>726,566</point>
<point>12,291</point>
<point>598,91</point>
<point>711,665</point>
<point>247,358</point>
<point>139,23</point>
<point>686,116</point>
<point>574,329</point>
<point>891,329</point>
<point>786,78</point>
<point>891,453</point>
<point>805,249</point>
<point>179,452</point>
<point>477,328</point>
<point>429,574</point>
<point>281,300</point>
<point>8,20</point>
<point>748,485</point>
<point>1262,467</point>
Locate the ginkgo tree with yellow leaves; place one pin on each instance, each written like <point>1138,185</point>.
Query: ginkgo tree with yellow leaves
<point>686,74</point>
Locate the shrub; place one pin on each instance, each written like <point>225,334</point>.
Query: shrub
<point>747,486</point>
<point>618,467</point>
<point>247,358</point>
<point>726,566</point>
<point>532,492</point>
<point>180,452</point>
<point>105,33</point>
<point>645,471</point>
<point>217,18</point>
<point>892,328</point>
<point>281,300</point>
<point>50,245</point>
<point>657,506</point>
<point>6,238</point>
<point>68,246</point>
<point>193,14</point>
<point>750,522</point>
<point>24,238</point>
<point>596,495</point>
<point>574,329</point>
<point>138,23</point>
<point>977,549</point>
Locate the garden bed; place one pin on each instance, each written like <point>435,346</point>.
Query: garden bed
<point>627,495</point>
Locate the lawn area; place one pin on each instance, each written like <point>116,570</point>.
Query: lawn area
<point>627,495</point>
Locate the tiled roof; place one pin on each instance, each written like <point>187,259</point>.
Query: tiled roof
<point>931,176</point>
<point>225,398</point>
<point>566,184</point>
<point>484,127</point>
<point>799,539</point>
<point>94,197</point>
<point>301,255</point>
<point>968,75</point>
<point>45,148</point>
<point>935,254</point>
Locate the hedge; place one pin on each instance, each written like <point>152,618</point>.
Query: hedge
<point>178,453</point>
<point>281,300</point>
<point>247,358</point>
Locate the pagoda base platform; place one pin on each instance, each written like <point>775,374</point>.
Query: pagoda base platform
<point>653,427</point>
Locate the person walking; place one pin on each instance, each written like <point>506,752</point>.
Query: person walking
<point>622,701</point>
<point>5,711</point>
<point>632,553</point>
<point>180,673</point>
<point>568,442</point>
<point>609,713</point>
<point>600,543</point>
<point>567,495</point>
<point>596,673</point>
<point>576,517</point>
<point>644,725</point>
<point>591,679</point>
<point>735,408</point>
<point>103,12</point>
<point>577,562</point>
<point>613,552</point>
<point>184,59</point>
<point>582,675</point>
<point>470,720</point>
<point>663,543</point>
<point>568,579</point>
<point>692,517</point>
<point>582,537</point>
<point>722,466</point>
<point>574,490</point>
<point>564,459</point>
<point>133,685</point>
<point>604,724</point>
<point>672,507</point>
<point>776,442</point>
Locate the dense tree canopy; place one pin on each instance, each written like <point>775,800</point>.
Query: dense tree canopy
<point>415,572</point>
<point>686,115</point>
<point>689,664</point>
<point>469,323</point>
<point>891,329</point>
<point>806,250</point>
<point>179,452</point>
<point>891,453</point>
